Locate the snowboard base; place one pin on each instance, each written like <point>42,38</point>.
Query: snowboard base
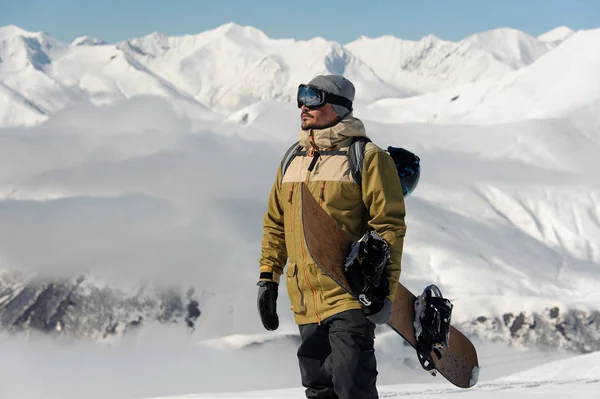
<point>328,245</point>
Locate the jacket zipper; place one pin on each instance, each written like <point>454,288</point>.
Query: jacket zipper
<point>310,285</point>
<point>291,208</point>
<point>310,168</point>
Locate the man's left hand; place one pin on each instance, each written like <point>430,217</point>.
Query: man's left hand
<point>383,315</point>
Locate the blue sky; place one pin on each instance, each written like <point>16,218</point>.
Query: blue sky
<point>342,21</point>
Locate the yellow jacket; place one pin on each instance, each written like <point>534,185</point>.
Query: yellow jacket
<point>378,205</point>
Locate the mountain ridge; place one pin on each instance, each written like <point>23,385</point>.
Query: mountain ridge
<point>198,66</point>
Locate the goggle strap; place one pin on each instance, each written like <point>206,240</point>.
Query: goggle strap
<point>338,100</point>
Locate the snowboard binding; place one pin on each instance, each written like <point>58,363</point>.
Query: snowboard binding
<point>432,325</point>
<point>365,271</point>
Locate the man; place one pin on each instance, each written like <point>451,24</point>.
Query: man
<point>336,356</point>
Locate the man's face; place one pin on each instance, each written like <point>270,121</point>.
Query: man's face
<point>318,118</point>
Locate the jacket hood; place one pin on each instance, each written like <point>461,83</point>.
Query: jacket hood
<point>334,136</point>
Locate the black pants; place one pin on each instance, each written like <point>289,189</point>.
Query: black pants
<point>337,358</point>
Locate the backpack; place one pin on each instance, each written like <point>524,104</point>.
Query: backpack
<point>407,164</point>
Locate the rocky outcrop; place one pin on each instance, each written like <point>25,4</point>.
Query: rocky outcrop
<point>574,330</point>
<point>82,308</point>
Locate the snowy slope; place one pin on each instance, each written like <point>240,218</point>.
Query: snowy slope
<point>510,46</point>
<point>192,71</point>
<point>519,242</point>
<point>576,377</point>
<point>432,64</point>
<point>556,36</point>
<point>559,83</point>
<point>264,68</point>
<point>25,56</point>
<point>104,74</point>
<point>164,362</point>
<point>47,76</point>
<point>17,110</point>
<point>566,79</point>
<point>405,63</point>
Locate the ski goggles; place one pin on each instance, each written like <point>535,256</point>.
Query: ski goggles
<point>314,97</point>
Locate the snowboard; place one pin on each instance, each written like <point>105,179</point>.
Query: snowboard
<point>328,245</point>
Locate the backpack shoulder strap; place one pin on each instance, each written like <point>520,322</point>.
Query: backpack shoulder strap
<point>355,157</point>
<point>289,157</point>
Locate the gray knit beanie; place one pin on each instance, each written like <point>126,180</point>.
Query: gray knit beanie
<point>336,84</point>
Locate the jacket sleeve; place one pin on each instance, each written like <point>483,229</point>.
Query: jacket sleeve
<point>274,252</point>
<point>382,195</point>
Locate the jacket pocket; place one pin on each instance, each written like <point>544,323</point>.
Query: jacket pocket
<point>294,291</point>
<point>331,292</point>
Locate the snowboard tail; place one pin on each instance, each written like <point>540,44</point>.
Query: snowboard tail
<point>328,245</point>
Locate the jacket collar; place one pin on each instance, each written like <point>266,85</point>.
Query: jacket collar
<point>335,136</point>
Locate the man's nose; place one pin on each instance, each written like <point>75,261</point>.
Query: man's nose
<point>304,108</point>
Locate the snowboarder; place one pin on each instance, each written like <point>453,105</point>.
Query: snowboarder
<point>336,355</point>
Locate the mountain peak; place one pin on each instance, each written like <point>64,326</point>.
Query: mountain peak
<point>557,34</point>
<point>430,38</point>
<point>10,31</point>
<point>391,39</point>
<point>228,26</point>
<point>87,41</point>
<point>378,38</point>
<point>232,29</point>
<point>501,35</point>
<point>512,47</point>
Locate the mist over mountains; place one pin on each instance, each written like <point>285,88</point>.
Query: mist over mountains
<point>149,160</point>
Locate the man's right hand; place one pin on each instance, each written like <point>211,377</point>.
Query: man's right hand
<point>267,304</point>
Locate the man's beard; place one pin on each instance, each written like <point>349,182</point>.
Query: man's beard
<point>307,123</point>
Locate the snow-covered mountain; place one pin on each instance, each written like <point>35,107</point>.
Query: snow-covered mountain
<point>556,36</point>
<point>87,41</point>
<point>133,180</point>
<point>40,76</point>
<point>265,69</point>
<point>431,63</point>
<point>562,81</point>
<point>232,67</point>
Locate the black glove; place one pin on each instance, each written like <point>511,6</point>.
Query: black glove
<point>365,268</point>
<point>383,315</point>
<point>267,304</point>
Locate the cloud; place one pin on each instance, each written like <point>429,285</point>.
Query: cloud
<point>158,361</point>
<point>132,193</point>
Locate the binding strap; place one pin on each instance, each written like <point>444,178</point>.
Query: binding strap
<point>432,321</point>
